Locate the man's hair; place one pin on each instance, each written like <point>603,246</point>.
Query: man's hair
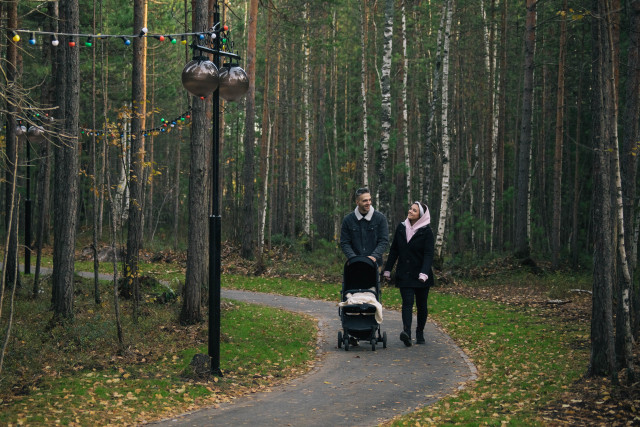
<point>361,191</point>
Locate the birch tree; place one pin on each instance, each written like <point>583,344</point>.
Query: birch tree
<point>405,112</point>
<point>306,220</point>
<point>363,92</point>
<point>384,196</point>
<point>446,165</point>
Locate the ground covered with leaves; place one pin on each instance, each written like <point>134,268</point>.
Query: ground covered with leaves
<point>529,290</point>
<point>589,400</point>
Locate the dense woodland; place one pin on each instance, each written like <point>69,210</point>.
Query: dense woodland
<point>516,122</point>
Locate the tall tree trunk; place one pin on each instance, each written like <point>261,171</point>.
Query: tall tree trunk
<point>196,278</point>
<point>624,339</point>
<point>265,140</point>
<point>11,145</point>
<point>334,169</point>
<point>66,164</point>
<point>602,358</point>
<point>384,191</point>
<point>136,172</point>
<point>363,92</point>
<point>430,145</point>
<point>248,211</point>
<point>446,164</point>
<point>44,169</point>
<point>557,155</point>
<point>521,243</point>
<point>404,123</point>
<point>629,147</point>
<point>499,187</point>
<point>576,176</point>
<point>306,107</point>
<point>94,173</point>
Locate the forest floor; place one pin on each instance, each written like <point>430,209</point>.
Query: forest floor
<point>588,401</point>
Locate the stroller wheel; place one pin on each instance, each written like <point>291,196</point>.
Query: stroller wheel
<point>373,344</point>
<point>384,339</point>
<point>339,339</point>
<point>346,343</point>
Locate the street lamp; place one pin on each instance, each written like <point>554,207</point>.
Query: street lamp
<point>201,77</point>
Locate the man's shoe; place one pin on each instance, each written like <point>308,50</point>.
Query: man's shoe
<point>405,338</point>
<point>420,337</point>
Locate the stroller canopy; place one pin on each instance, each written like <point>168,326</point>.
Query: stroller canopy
<point>360,272</point>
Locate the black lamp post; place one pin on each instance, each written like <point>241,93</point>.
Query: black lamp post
<point>199,77</point>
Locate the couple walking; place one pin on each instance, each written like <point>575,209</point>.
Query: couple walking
<point>365,232</point>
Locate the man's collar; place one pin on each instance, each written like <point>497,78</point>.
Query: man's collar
<point>367,217</point>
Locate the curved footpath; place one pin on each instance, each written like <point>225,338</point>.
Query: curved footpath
<point>358,387</point>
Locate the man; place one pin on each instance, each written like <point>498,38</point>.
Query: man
<point>365,231</point>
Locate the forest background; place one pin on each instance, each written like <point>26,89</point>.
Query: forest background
<point>516,123</point>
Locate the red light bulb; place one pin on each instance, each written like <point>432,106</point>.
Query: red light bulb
<point>72,44</point>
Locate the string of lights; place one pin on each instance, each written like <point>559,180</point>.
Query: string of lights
<point>165,126</point>
<point>126,38</point>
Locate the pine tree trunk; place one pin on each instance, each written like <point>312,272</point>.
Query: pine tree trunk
<point>521,243</point>
<point>557,156</point>
<point>629,149</point>
<point>66,164</point>
<point>11,149</point>
<point>248,211</point>
<point>430,145</point>
<point>602,358</point>
<point>264,147</point>
<point>136,181</point>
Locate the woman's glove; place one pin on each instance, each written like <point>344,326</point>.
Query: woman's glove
<point>386,275</point>
<point>423,277</point>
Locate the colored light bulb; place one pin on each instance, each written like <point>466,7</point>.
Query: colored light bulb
<point>72,44</point>
<point>16,37</point>
<point>32,39</point>
<point>172,40</point>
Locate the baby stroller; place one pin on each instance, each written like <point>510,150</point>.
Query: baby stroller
<point>359,309</point>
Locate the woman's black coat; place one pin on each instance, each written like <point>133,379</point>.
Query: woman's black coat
<point>413,258</point>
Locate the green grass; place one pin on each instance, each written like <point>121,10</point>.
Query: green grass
<point>75,374</point>
<point>526,357</point>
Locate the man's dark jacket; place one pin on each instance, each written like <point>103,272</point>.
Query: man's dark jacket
<point>364,237</point>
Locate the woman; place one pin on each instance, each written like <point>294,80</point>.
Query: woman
<point>413,246</point>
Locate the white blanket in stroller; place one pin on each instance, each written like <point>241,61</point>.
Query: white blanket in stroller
<point>364,298</point>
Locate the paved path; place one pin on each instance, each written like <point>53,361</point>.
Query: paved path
<point>358,387</point>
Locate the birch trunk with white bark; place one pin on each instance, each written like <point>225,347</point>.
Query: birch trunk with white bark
<point>446,165</point>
